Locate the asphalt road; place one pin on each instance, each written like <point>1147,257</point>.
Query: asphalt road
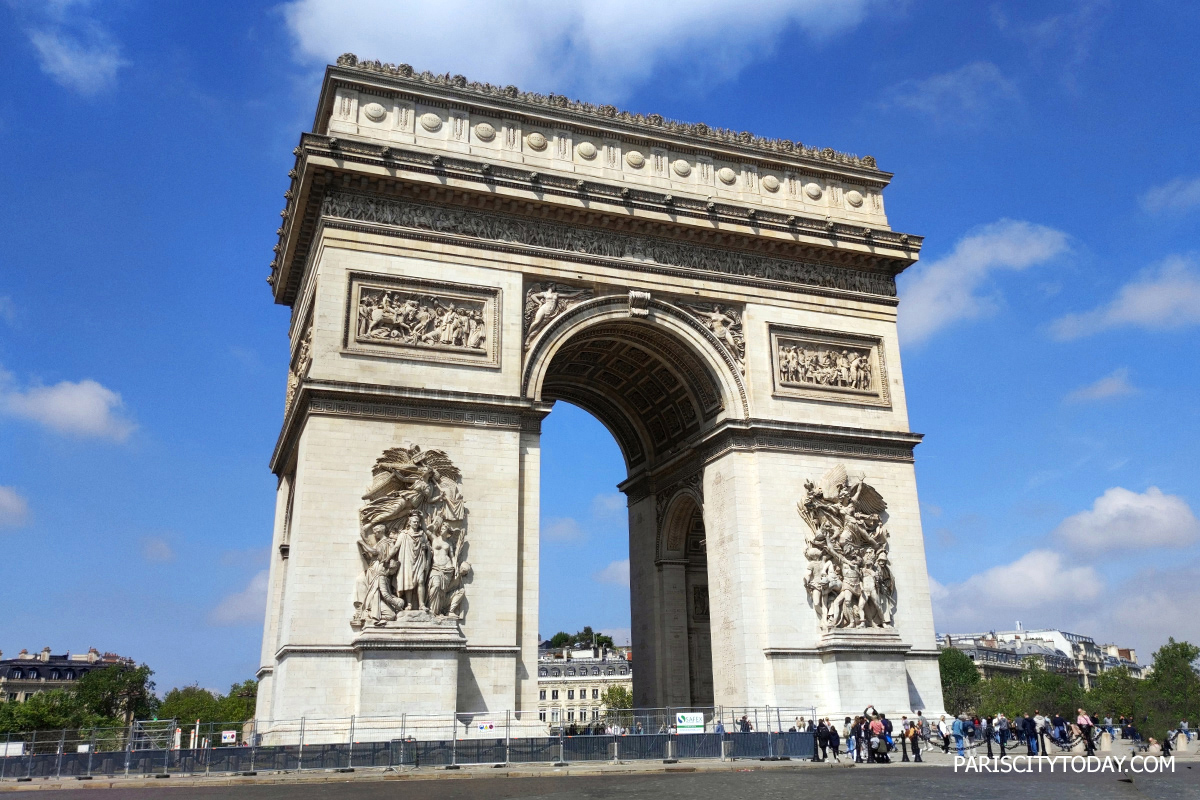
<point>874,782</point>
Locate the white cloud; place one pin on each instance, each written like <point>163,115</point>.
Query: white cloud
<point>941,292</point>
<point>609,506</point>
<point>157,550</point>
<point>14,509</point>
<point>85,64</point>
<point>247,607</point>
<point>1039,581</point>
<point>562,529</point>
<point>80,409</point>
<point>1125,520</point>
<point>615,573</point>
<point>1167,298</point>
<point>1174,196</point>
<point>968,95</point>
<point>554,45</point>
<point>1115,385</point>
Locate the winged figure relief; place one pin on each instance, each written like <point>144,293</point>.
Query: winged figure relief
<point>544,302</point>
<point>409,479</point>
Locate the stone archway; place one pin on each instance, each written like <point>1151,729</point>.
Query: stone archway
<point>659,385</point>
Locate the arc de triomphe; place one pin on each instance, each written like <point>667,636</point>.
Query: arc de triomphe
<point>459,256</point>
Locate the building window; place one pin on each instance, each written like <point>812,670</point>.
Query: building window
<point>543,673</point>
<point>557,672</point>
<point>69,675</point>
<point>623,670</point>
<point>570,694</point>
<point>554,694</point>
<point>32,675</point>
<point>542,715</point>
<point>12,697</point>
<point>554,715</point>
<point>595,694</point>
<point>570,715</point>
<point>595,670</point>
<point>571,673</point>
<point>611,671</point>
<point>14,673</point>
<point>54,676</point>
<point>542,694</point>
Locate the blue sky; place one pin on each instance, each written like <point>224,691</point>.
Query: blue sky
<point>1048,152</point>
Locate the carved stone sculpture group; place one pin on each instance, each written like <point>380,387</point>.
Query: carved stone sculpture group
<point>848,368</point>
<point>412,539</point>
<point>849,578</point>
<point>398,317</point>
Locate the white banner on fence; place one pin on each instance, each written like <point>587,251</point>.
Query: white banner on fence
<point>12,749</point>
<point>487,727</point>
<point>228,737</point>
<point>689,722</point>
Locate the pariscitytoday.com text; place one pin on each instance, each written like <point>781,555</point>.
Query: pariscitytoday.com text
<point>1080,764</point>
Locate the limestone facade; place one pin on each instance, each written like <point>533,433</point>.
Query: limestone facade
<point>457,258</point>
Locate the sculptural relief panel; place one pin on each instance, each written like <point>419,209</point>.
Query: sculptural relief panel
<point>824,365</point>
<point>849,578</point>
<point>412,540</point>
<point>426,320</point>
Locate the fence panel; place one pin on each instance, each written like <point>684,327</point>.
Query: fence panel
<point>533,749</point>
<point>587,748</point>
<point>795,745</point>
<point>698,745</point>
<point>749,745</point>
<point>643,746</point>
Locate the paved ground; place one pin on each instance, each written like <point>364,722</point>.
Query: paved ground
<point>779,782</point>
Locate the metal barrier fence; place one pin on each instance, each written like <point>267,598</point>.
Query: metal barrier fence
<point>409,741</point>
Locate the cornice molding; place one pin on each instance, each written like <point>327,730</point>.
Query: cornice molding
<point>697,134</point>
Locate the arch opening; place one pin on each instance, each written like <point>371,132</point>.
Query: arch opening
<point>656,393</point>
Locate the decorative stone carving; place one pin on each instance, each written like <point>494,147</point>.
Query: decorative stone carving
<point>726,324</point>
<point>576,241</point>
<point>813,190</point>
<point>544,302</point>
<point>635,159</point>
<point>854,198</point>
<point>431,122</point>
<point>436,321</point>
<point>536,141</point>
<point>299,369</point>
<point>639,303</point>
<point>697,131</point>
<point>412,539</point>
<point>374,112</point>
<point>849,578</point>
<point>485,132</point>
<point>682,168</point>
<point>726,176</point>
<point>828,365</point>
<point>770,183</point>
<point>586,150</point>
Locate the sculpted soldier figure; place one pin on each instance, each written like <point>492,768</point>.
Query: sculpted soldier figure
<point>375,601</point>
<point>849,579</point>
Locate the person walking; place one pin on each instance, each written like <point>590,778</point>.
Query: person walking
<point>1085,730</point>
<point>1002,732</point>
<point>927,745</point>
<point>989,733</point>
<point>834,740</point>
<point>904,731</point>
<point>944,732</point>
<point>823,740</point>
<point>958,730</point>
<point>1029,728</point>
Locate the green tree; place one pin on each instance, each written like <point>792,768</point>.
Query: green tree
<point>560,639</point>
<point>191,703</point>
<point>119,692</point>
<point>1172,691</point>
<point>1117,693</point>
<point>960,681</point>
<point>584,638</point>
<point>53,710</point>
<point>239,704</point>
<point>617,697</point>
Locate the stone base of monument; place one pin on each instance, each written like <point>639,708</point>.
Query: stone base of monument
<point>867,669</point>
<point>418,653</point>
